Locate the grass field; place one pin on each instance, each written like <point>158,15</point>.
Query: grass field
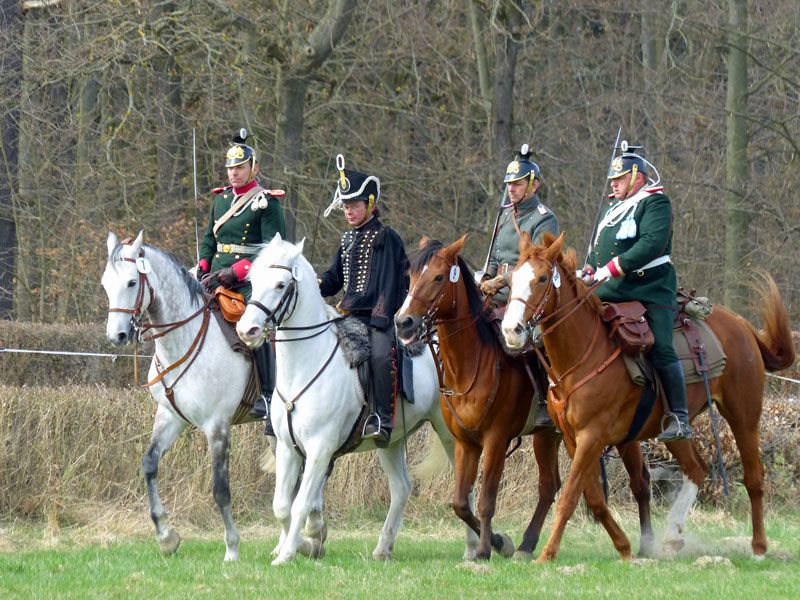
<point>109,562</point>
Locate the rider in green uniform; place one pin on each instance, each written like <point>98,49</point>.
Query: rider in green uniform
<point>242,216</point>
<point>631,254</point>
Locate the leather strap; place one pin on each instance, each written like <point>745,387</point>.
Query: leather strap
<point>238,205</point>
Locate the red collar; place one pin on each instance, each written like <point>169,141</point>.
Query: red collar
<point>245,188</point>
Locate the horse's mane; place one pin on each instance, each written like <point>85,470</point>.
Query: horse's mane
<point>193,286</point>
<point>475,299</point>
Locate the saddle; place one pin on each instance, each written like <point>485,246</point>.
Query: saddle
<point>253,389</point>
<point>696,345</point>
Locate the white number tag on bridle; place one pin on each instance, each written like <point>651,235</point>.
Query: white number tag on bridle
<point>143,265</point>
<point>556,279</point>
<point>455,273</point>
<point>296,273</point>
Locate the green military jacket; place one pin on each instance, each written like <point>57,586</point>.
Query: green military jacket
<point>531,216</point>
<point>253,224</point>
<point>637,233</point>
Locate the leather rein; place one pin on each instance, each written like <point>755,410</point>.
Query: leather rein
<point>560,314</point>
<point>276,317</point>
<point>141,327</point>
<point>429,323</point>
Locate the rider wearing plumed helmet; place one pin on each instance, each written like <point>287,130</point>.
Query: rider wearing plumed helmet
<point>631,255</point>
<point>242,216</point>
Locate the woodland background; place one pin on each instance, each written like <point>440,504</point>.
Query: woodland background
<point>100,100</point>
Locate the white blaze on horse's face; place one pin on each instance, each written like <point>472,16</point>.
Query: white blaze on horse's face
<point>513,325</point>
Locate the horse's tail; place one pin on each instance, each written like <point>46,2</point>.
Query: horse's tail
<point>434,463</point>
<point>775,342</point>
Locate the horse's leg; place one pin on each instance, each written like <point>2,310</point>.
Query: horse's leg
<point>307,500</point>
<point>747,437</point>
<point>632,458</point>
<point>287,470</point>
<point>448,442</point>
<point>467,458</point>
<point>545,449</point>
<point>219,441</point>
<point>166,428</point>
<point>585,463</point>
<point>393,463</point>
<point>494,459</point>
<point>595,498</point>
<point>694,471</point>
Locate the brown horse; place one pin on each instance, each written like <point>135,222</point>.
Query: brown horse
<point>488,395</point>
<point>594,399</point>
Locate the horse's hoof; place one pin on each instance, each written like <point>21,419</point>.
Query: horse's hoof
<point>323,533</point>
<point>469,554</point>
<point>507,549</point>
<point>673,546</point>
<point>231,556</point>
<point>170,542</point>
<point>646,547</point>
<point>276,550</point>
<point>282,559</point>
<point>382,555</point>
<point>523,556</point>
<point>317,549</point>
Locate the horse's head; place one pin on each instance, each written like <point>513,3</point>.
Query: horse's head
<point>432,291</point>
<point>534,287</point>
<point>126,283</point>
<point>274,276</point>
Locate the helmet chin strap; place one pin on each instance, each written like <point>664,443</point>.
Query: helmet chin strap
<point>530,184</point>
<point>634,172</point>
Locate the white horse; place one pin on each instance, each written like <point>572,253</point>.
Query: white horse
<point>318,399</point>
<point>196,366</point>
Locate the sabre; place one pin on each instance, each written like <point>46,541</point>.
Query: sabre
<point>196,205</point>
<point>602,203</point>
<point>494,232</point>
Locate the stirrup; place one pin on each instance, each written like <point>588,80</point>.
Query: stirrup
<point>683,432</point>
<point>372,421</point>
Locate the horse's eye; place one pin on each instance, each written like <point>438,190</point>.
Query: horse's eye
<point>281,285</point>
<point>131,283</point>
<point>439,278</point>
<point>543,278</point>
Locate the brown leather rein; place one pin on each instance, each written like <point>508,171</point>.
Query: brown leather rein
<point>141,327</point>
<point>560,314</point>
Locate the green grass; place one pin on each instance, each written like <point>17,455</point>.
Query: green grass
<point>427,564</point>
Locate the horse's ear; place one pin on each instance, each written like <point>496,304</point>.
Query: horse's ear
<point>136,246</point>
<point>277,237</point>
<point>554,245</point>
<point>524,242</point>
<point>299,245</point>
<point>423,241</point>
<point>112,242</point>
<point>455,248</point>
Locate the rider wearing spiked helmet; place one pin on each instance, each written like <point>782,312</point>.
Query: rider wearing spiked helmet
<point>242,216</point>
<point>524,212</point>
<point>631,254</point>
<point>370,267</point>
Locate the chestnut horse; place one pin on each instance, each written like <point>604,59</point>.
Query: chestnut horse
<point>594,399</point>
<point>488,397</point>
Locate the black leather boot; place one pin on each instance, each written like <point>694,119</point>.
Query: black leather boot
<point>541,418</point>
<point>379,423</point>
<point>264,360</point>
<point>677,420</point>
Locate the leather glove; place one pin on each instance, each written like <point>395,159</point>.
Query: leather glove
<point>602,274</point>
<point>200,272</point>
<point>491,286</point>
<point>209,281</point>
<point>227,277</point>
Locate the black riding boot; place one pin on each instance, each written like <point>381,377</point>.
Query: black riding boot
<point>265,365</point>
<point>379,423</point>
<point>675,390</point>
<point>541,418</point>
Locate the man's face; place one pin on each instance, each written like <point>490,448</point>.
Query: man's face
<point>517,189</point>
<point>240,175</point>
<point>619,185</point>
<point>355,212</point>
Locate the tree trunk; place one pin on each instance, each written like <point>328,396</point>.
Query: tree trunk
<point>738,244</point>
<point>11,25</point>
<point>305,59</point>
<point>509,24</point>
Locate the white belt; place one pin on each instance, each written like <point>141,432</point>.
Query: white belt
<point>236,249</point>
<point>653,263</point>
